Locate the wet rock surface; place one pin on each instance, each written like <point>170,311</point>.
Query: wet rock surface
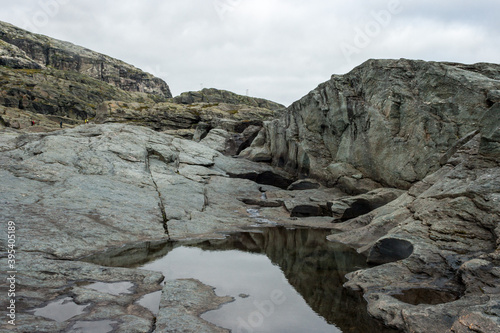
<point>76,192</point>
<point>182,303</point>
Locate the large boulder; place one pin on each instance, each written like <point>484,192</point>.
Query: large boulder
<point>390,119</point>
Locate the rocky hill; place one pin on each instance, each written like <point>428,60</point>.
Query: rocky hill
<point>48,81</point>
<point>22,49</point>
<point>211,95</point>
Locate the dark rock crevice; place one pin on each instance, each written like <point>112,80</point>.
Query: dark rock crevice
<point>265,178</point>
<point>389,250</point>
<point>161,205</point>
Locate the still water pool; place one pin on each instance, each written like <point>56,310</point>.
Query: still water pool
<point>282,280</point>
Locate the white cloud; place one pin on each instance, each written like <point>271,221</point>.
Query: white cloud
<point>276,49</point>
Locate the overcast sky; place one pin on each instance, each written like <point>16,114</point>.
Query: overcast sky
<point>275,49</point>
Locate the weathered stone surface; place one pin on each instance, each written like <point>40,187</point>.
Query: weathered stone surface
<point>304,184</point>
<point>182,303</point>
<point>13,57</point>
<point>226,128</point>
<point>490,139</point>
<point>259,150</point>
<point>42,280</point>
<point>351,207</point>
<point>75,192</point>
<point>388,250</point>
<point>390,119</point>
<point>448,224</point>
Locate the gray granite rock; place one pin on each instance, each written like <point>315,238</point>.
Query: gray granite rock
<point>438,244</point>
<point>390,119</point>
<point>182,303</point>
<point>77,192</point>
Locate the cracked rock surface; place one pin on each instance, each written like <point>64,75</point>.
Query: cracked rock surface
<point>75,192</point>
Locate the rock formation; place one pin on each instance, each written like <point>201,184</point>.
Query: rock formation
<point>52,81</point>
<point>391,120</point>
<point>227,128</point>
<point>401,157</point>
<point>211,95</point>
<point>75,192</point>
<point>439,244</point>
<point>430,128</point>
<point>23,49</point>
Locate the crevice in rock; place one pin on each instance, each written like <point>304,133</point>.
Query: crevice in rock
<point>357,208</point>
<point>205,199</point>
<point>265,178</point>
<point>388,250</point>
<point>247,143</point>
<point>161,205</point>
<point>306,210</point>
<point>261,202</point>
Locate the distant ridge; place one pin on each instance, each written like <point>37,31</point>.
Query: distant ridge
<point>212,95</point>
<point>22,49</point>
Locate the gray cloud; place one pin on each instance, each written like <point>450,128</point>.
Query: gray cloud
<point>275,49</point>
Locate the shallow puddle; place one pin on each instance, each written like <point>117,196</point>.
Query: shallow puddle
<point>282,280</point>
<point>60,310</point>
<point>151,301</point>
<point>264,300</point>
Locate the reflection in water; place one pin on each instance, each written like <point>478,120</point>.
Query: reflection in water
<point>151,301</point>
<point>295,287</point>
<point>272,304</point>
<point>61,310</point>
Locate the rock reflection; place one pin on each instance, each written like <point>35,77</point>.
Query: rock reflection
<point>313,266</point>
